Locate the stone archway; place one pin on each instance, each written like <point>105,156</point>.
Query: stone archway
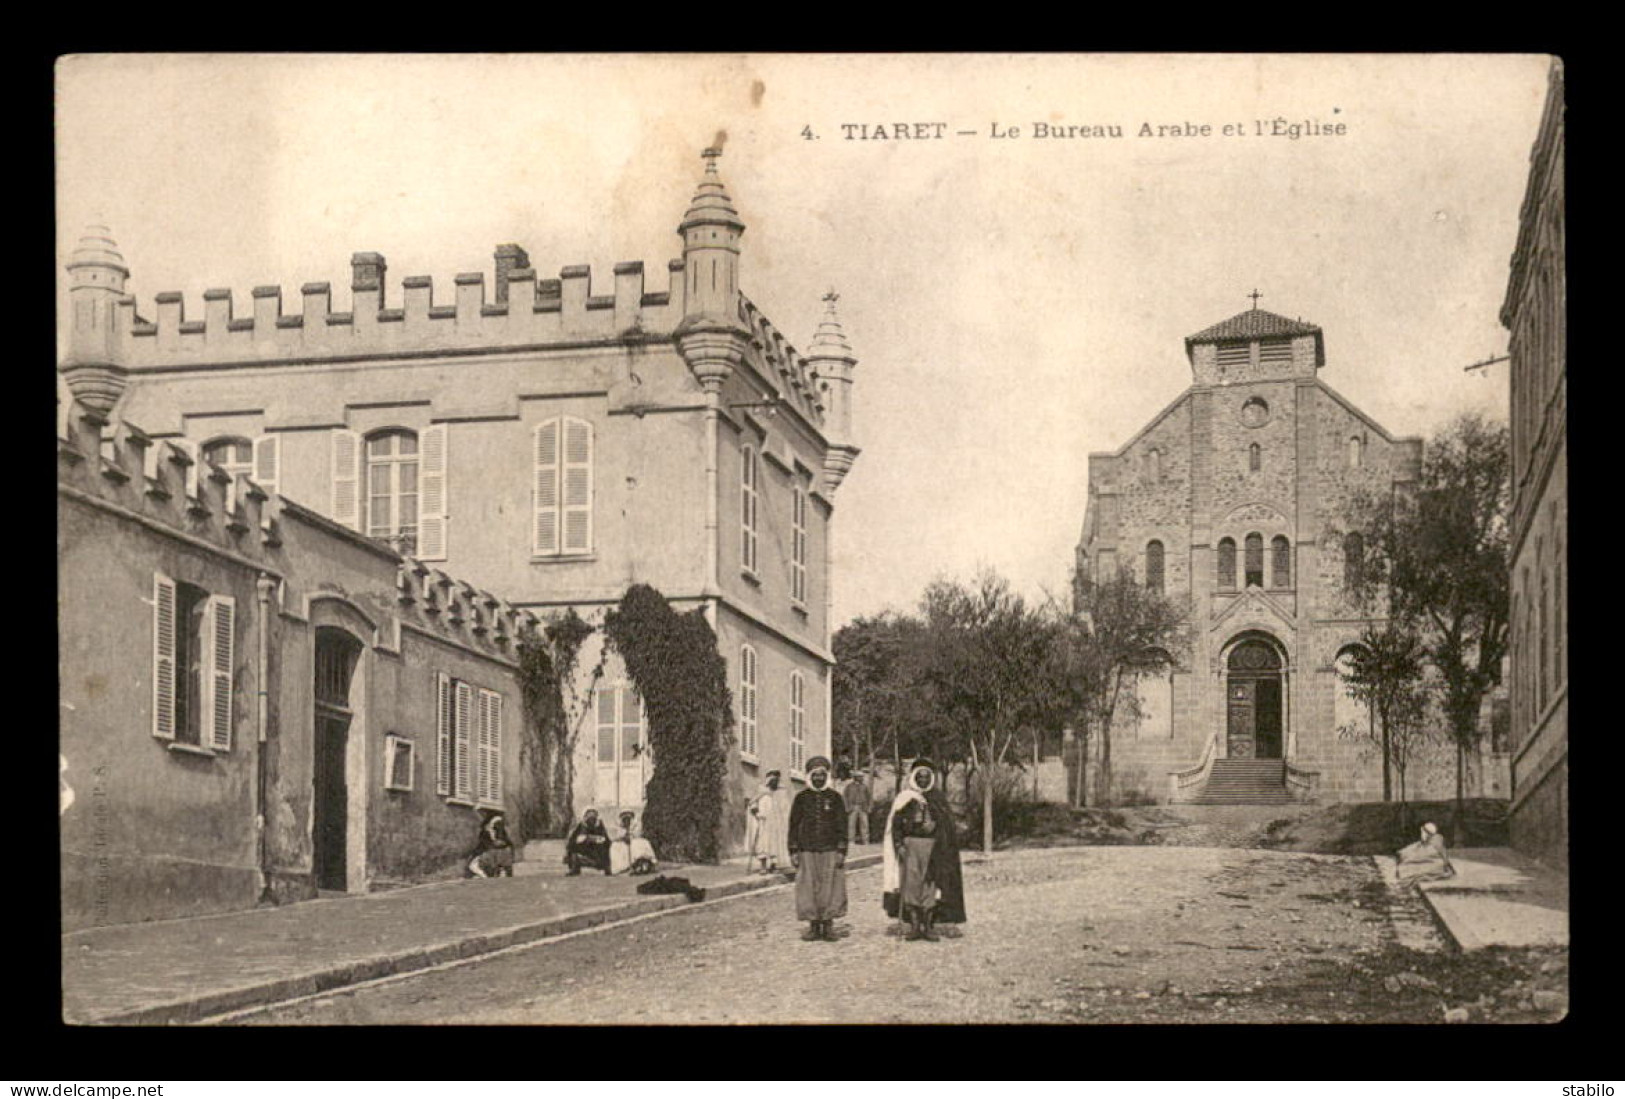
<point>1255,700</point>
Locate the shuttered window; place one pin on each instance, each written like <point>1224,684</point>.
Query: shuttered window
<point>798,546</point>
<point>267,462</point>
<point>747,700</point>
<point>218,659</point>
<point>444,741</point>
<point>562,492</point>
<point>489,780</point>
<point>463,738</point>
<point>163,657</point>
<point>798,722</point>
<point>1234,354</point>
<point>747,508</point>
<point>346,463</point>
<point>1275,351</point>
<point>433,512</point>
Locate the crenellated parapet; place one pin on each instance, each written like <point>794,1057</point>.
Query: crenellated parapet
<point>458,611</point>
<point>518,310</point>
<point>162,483</point>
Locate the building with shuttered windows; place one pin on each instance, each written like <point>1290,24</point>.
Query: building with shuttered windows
<point>555,440</point>
<point>1235,497</point>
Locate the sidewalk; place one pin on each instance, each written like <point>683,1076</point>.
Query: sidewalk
<point>1500,898</point>
<point>180,971</point>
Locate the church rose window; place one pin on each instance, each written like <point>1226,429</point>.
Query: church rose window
<point>1255,412</point>
<point>1227,563</point>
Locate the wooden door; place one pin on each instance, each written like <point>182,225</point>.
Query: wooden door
<point>1243,717</point>
<point>623,756</point>
<point>331,804</point>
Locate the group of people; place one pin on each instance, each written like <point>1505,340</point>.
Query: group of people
<point>591,845</point>
<point>921,879</point>
<point>768,816</point>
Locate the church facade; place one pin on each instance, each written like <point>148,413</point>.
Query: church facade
<point>554,440</point>
<point>1235,498</point>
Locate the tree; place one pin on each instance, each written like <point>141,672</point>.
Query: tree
<point>1118,630</point>
<point>1438,556</point>
<point>876,695</point>
<point>1387,673</point>
<point>990,663</point>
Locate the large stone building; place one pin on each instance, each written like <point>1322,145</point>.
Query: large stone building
<point>1235,496</point>
<point>1535,314</point>
<point>553,440</point>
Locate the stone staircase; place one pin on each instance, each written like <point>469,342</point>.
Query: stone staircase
<point>1245,782</point>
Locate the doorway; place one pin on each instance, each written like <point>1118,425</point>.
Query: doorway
<point>1253,702</point>
<point>336,653</point>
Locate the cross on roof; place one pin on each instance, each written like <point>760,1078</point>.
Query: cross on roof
<point>710,156</point>
<point>832,297</point>
<point>1255,295</point>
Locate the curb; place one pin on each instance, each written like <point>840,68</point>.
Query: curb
<point>1409,931</point>
<point>195,1009</point>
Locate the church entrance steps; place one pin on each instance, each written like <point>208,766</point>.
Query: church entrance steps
<point>1245,782</point>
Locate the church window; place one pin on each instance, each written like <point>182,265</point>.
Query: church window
<point>748,491</point>
<point>1281,561</point>
<point>1153,566</point>
<point>1227,564</point>
<point>1356,451</point>
<point>1255,412</point>
<point>1353,561</point>
<point>1255,560</point>
<point>1255,458</point>
<point>1349,712</point>
<point>563,489</point>
<point>1153,466</point>
<point>1154,688</point>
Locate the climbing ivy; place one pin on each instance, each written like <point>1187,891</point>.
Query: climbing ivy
<point>547,668</point>
<point>673,661</point>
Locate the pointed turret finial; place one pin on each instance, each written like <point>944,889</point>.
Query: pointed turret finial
<point>711,205</point>
<point>830,339</point>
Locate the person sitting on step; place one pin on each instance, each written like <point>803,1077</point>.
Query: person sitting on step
<point>587,845</point>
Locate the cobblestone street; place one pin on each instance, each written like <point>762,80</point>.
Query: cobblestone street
<point>1101,934</point>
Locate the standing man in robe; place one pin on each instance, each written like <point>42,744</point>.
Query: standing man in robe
<point>921,879</point>
<point>817,840</point>
<point>769,848</point>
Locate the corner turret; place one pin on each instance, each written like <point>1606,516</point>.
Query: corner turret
<point>94,365</point>
<point>710,334</point>
<point>832,362</point>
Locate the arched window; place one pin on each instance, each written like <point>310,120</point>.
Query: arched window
<point>1153,466</point>
<point>1281,561</point>
<point>1255,458</point>
<point>1255,560</point>
<point>1356,451</point>
<point>1153,566</point>
<point>232,455</point>
<point>1348,711</point>
<point>1353,561</point>
<point>392,488</point>
<point>1227,563</point>
<point>747,700</point>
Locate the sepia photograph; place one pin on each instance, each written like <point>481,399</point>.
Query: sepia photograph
<point>670,539</point>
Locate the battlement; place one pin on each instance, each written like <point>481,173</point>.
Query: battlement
<point>521,311</point>
<point>162,483</point>
<point>778,360</point>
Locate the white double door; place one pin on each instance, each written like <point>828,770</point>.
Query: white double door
<point>623,752</point>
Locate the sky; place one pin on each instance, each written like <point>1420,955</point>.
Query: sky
<point>1015,302</point>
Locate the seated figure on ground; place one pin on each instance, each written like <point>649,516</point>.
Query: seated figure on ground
<point>630,852</point>
<point>493,852</point>
<point>1426,859</point>
<point>587,845</point>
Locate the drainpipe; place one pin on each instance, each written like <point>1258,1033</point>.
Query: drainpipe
<point>263,588</point>
<point>713,582</point>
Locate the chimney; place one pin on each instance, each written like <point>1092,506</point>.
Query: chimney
<point>510,258</point>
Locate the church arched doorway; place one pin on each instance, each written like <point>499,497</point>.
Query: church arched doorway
<point>1254,712</point>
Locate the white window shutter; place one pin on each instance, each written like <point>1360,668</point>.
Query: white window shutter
<point>163,657</point>
<point>220,637</point>
<point>577,477</point>
<point>267,461</point>
<point>490,777</point>
<point>545,491</point>
<point>347,478</point>
<point>432,509</point>
<point>463,726</point>
<point>192,470</point>
<point>442,773</point>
